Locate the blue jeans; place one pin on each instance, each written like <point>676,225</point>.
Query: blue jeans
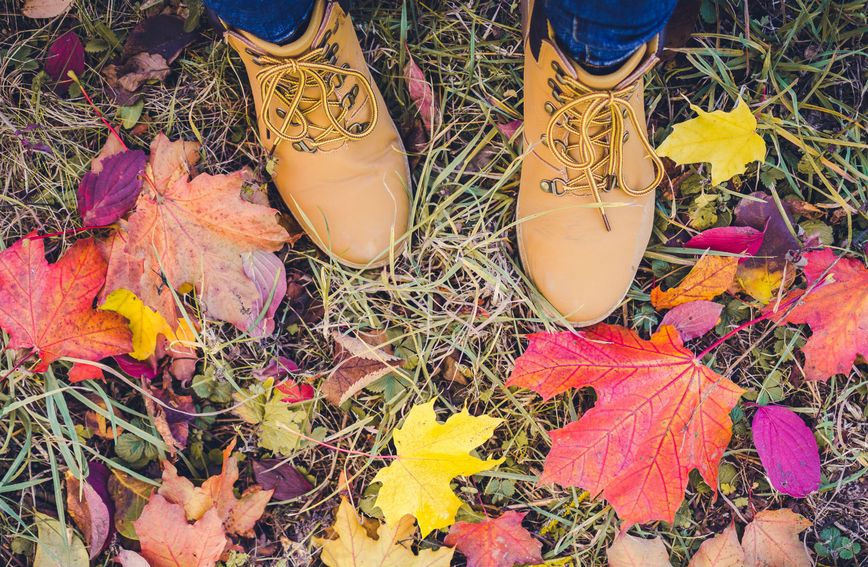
<point>598,33</point>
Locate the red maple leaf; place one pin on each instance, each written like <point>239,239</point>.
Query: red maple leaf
<point>659,413</point>
<point>837,312</point>
<point>49,307</point>
<point>496,542</point>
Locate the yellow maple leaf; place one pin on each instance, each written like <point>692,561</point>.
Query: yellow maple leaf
<point>145,323</point>
<point>726,140</point>
<point>354,546</point>
<point>709,277</point>
<point>430,455</point>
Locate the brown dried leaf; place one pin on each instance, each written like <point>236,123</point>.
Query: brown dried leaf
<point>359,362</point>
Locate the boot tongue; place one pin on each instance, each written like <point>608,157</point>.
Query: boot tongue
<point>318,22</point>
<point>610,81</point>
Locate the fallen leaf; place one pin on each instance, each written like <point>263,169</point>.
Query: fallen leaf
<point>733,239</point>
<point>294,393</point>
<point>129,496</point>
<point>659,413</point>
<point>98,425</point>
<point>191,233</point>
<point>128,558</point>
<point>172,418</point>
<point>723,550</point>
<point>146,325</point>
<point>787,449</point>
<point>709,277</point>
<point>422,94</point>
<point>39,9</point>
<point>358,363</point>
<point>281,477</point>
<point>162,34</point>
<point>495,542</point>
<point>239,515</point>
<point>762,276</point>
<point>167,539</point>
<point>726,140</point>
<point>279,368</point>
<point>772,540</point>
<point>430,455</point>
<point>138,369</point>
<point>268,274</point>
<point>631,551</point>
<point>64,55</point>
<point>106,196</point>
<point>49,307</point>
<point>836,311</point>
<point>694,319</point>
<point>354,546</point>
<point>90,507</point>
<point>57,545</point>
<point>126,78</point>
<point>508,129</point>
<point>81,372</point>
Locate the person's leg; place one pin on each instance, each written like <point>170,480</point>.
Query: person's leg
<point>604,33</point>
<point>275,21</point>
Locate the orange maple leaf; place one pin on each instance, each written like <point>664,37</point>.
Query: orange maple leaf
<point>709,277</point>
<point>49,307</point>
<point>167,539</point>
<point>837,312</point>
<point>494,542</point>
<point>192,232</point>
<point>660,413</point>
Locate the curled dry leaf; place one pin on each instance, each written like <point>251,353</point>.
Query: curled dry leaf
<point>64,55</point>
<point>49,307</point>
<point>660,413</point>
<point>91,508</point>
<point>106,196</point>
<point>126,78</point>
<point>146,325</point>
<point>39,9</point>
<point>358,363</point>
<point>355,546</point>
<point>422,94</point>
<point>723,550</point>
<point>172,417</point>
<point>268,274</point>
<point>430,455</point>
<point>694,319</point>
<point>836,311</point>
<point>772,540</point>
<point>787,449</point>
<point>709,277</point>
<point>632,551</point>
<point>495,542</point>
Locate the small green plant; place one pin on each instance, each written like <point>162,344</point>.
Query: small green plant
<point>834,545</point>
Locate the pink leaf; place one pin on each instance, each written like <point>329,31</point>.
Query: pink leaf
<point>138,369</point>
<point>91,507</point>
<point>127,558</point>
<point>787,449</point>
<point>278,368</point>
<point>495,542</point>
<point>65,54</point>
<point>268,273</point>
<point>510,128</point>
<point>733,239</point>
<point>105,197</point>
<point>421,93</point>
<point>693,319</point>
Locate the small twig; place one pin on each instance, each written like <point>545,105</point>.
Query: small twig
<point>18,365</point>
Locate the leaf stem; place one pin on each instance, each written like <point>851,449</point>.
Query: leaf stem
<point>743,326</point>
<point>18,365</point>
<point>71,74</point>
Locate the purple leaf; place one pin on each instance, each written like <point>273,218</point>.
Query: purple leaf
<point>787,449</point>
<point>91,507</point>
<point>268,274</point>
<point>276,474</point>
<point>65,54</point>
<point>162,35</point>
<point>278,368</point>
<point>733,239</point>
<point>105,197</point>
<point>693,319</point>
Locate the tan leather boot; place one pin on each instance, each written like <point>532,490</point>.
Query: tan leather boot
<point>341,166</point>
<point>586,200</point>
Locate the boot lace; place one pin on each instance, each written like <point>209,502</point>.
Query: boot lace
<point>303,85</point>
<point>570,138</point>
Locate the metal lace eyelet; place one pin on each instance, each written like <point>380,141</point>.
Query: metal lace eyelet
<point>249,51</point>
<point>546,185</point>
<point>557,97</point>
<point>325,38</point>
<point>544,140</point>
<point>331,53</point>
<point>626,136</point>
<point>302,146</point>
<point>280,112</point>
<point>358,127</point>
<point>550,108</point>
<point>553,85</point>
<point>624,112</point>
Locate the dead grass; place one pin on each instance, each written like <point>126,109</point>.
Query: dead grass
<point>459,292</point>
